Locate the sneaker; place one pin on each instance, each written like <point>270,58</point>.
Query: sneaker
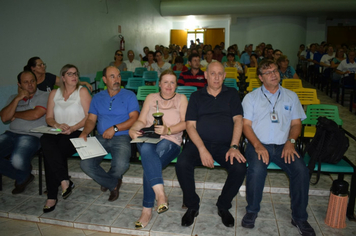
<point>303,227</point>
<point>249,220</point>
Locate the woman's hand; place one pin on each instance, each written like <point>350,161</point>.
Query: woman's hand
<point>69,130</point>
<point>161,129</point>
<point>134,133</point>
<point>63,127</point>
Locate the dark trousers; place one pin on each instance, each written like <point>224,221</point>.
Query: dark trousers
<point>190,158</point>
<point>56,150</point>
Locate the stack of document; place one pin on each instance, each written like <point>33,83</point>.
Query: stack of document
<point>89,149</point>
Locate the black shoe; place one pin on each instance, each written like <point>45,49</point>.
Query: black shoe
<point>226,217</point>
<point>249,220</point>
<point>19,188</point>
<point>115,193</point>
<point>188,218</point>
<point>303,227</point>
<point>103,189</point>
<point>68,191</point>
<point>47,209</point>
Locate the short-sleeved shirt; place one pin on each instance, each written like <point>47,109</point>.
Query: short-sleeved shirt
<point>258,110</point>
<point>326,59</point>
<point>245,59</point>
<point>113,110</point>
<point>121,67</point>
<point>288,74</point>
<point>21,126</point>
<point>131,66</point>
<point>346,65</point>
<point>214,115</point>
<point>159,70</point>
<point>48,83</point>
<point>188,79</point>
<point>204,63</point>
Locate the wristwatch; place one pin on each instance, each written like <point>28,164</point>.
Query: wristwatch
<point>115,128</point>
<point>234,147</point>
<point>292,140</point>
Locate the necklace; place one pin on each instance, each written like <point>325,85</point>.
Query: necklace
<point>166,99</point>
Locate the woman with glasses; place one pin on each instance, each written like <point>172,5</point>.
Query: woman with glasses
<point>285,70</point>
<point>46,81</point>
<point>155,157</point>
<point>119,61</point>
<point>67,111</point>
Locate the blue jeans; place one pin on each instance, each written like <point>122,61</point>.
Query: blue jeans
<point>297,172</point>
<point>154,158</point>
<point>120,149</point>
<point>22,148</point>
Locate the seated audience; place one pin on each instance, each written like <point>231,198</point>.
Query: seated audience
<point>276,54</point>
<point>194,76</point>
<point>253,62</point>
<point>161,65</point>
<point>150,61</point>
<point>209,58</point>
<point>285,70</point>
<point>132,63</point>
<point>245,57</point>
<point>166,57</point>
<point>145,50</point>
<point>269,53</point>
<point>67,110</point>
<point>217,53</point>
<point>231,49</point>
<point>232,63</point>
<point>347,66</point>
<point>214,125</point>
<point>115,110</point>
<point>46,81</point>
<point>272,122</point>
<point>119,61</point>
<point>24,111</point>
<point>179,65</point>
<point>326,59</point>
<point>335,62</point>
<point>174,56</point>
<point>155,157</point>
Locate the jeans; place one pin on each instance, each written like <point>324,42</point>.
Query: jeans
<point>189,158</point>
<point>120,149</point>
<point>56,150</point>
<point>22,148</point>
<point>154,158</point>
<point>297,172</point>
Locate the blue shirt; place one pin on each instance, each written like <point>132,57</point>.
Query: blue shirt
<point>113,110</point>
<point>288,74</point>
<point>245,58</point>
<point>258,110</point>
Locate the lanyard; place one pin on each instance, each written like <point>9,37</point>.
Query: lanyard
<point>269,100</point>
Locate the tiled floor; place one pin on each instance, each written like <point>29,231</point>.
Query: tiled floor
<point>87,211</point>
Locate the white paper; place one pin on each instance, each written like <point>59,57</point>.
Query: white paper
<point>46,130</point>
<point>146,140</point>
<point>89,149</point>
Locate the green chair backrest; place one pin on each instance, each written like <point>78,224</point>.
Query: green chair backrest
<point>177,72</point>
<point>125,75</point>
<point>99,75</point>
<point>143,91</point>
<point>139,71</point>
<point>134,83</point>
<point>229,82</point>
<point>150,76</point>
<point>315,111</point>
<point>186,90</point>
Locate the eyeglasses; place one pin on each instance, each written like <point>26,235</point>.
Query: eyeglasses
<point>269,73</point>
<point>71,74</point>
<point>118,54</point>
<point>42,64</point>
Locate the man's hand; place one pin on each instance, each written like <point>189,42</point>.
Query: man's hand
<point>289,152</point>
<point>206,158</point>
<point>83,136</point>
<point>109,133</point>
<point>22,93</point>
<point>234,153</point>
<point>262,153</point>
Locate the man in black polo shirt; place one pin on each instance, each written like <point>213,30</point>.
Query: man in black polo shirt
<point>214,125</point>
<point>194,76</point>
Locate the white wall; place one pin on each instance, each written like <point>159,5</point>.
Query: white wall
<point>316,30</point>
<point>81,32</point>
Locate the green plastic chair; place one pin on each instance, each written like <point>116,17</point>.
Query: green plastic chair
<point>177,72</point>
<point>186,90</point>
<point>139,71</point>
<point>134,83</point>
<point>98,77</point>
<point>143,91</point>
<point>150,76</point>
<point>229,82</point>
<point>125,75</point>
<point>85,79</point>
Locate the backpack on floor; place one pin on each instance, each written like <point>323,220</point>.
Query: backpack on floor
<point>328,145</point>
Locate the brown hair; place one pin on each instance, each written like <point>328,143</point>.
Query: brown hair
<point>167,72</point>
<point>265,64</point>
<point>63,72</point>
